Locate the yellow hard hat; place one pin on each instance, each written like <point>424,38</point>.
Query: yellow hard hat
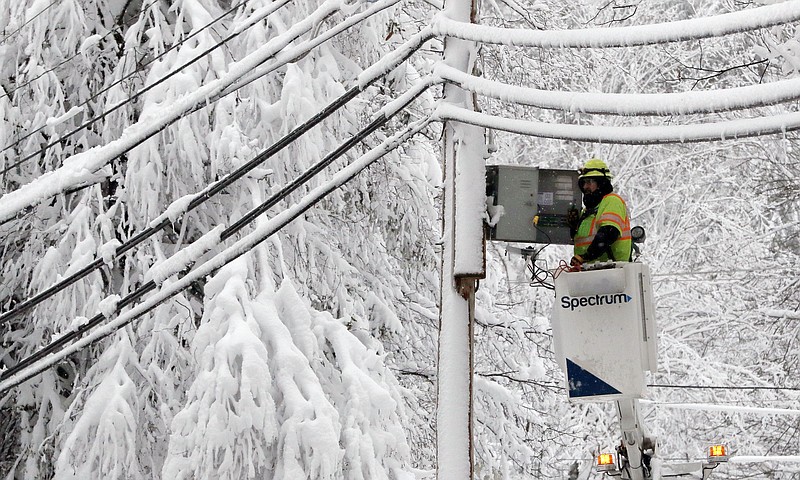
<point>595,168</point>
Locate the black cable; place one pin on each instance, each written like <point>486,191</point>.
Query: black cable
<point>114,29</point>
<point>201,197</point>
<point>121,104</point>
<point>401,54</point>
<point>37,77</point>
<point>222,94</point>
<point>198,200</point>
<point>227,233</point>
<point>539,275</point>
<point>29,21</point>
<point>712,387</point>
<point>68,338</point>
<point>297,182</point>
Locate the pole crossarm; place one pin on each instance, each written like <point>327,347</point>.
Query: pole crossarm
<point>633,36</point>
<point>633,135</point>
<point>684,103</point>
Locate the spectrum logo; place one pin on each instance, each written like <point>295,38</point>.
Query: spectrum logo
<point>594,300</point>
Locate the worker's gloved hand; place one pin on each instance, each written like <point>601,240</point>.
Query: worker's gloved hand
<point>573,221</point>
<point>576,262</point>
<point>572,218</point>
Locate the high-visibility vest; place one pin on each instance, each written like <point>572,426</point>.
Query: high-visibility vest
<point>610,211</point>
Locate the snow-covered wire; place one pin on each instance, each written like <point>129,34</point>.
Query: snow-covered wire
<point>684,103</point>
<point>82,168</point>
<point>211,190</point>
<point>764,458</point>
<point>693,29</point>
<point>291,53</point>
<point>384,115</point>
<point>117,82</point>
<point>261,14</point>
<point>24,371</point>
<point>708,407</point>
<point>725,271</point>
<point>635,135</point>
<point>33,17</point>
<point>720,387</point>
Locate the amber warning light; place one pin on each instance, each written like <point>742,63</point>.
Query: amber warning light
<point>605,462</point>
<point>717,453</point>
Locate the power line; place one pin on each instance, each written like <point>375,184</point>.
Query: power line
<point>718,387</point>
<point>212,190</point>
<point>297,52</point>
<point>709,387</point>
<point>198,200</point>
<point>28,21</point>
<point>724,271</point>
<point>117,27</point>
<point>133,97</point>
<point>367,77</point>
<point>355,168</point>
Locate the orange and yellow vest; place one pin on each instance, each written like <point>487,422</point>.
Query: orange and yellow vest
<point>610,211</point>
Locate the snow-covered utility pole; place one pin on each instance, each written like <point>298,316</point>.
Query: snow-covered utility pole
<point>463,262</point>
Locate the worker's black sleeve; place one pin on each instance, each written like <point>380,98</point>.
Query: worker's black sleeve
<point>606,235</point>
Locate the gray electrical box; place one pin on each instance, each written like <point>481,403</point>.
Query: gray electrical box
<point>528,192</point>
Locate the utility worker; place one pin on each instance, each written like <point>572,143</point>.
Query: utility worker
<point>602,231</point>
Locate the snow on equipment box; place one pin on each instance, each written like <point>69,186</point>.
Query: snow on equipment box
<point>604,331</point>
<point>528,193</point>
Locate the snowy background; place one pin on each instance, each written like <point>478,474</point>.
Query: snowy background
<point>303,343</point>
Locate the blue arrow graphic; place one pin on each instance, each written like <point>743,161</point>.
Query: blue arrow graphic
<point>586,384</point>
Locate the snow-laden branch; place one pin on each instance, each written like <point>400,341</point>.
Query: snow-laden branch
<point>258,16</point>
<point>84,167</point>
<point>236,250</point>
<point>792,314</point>
<point>694,29</point>
<point>393,58</point>
<point>414,91</point>
<point>293,52</point>
<point>184,257</point>
<point>638,135</point>
<point>684,103</point>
